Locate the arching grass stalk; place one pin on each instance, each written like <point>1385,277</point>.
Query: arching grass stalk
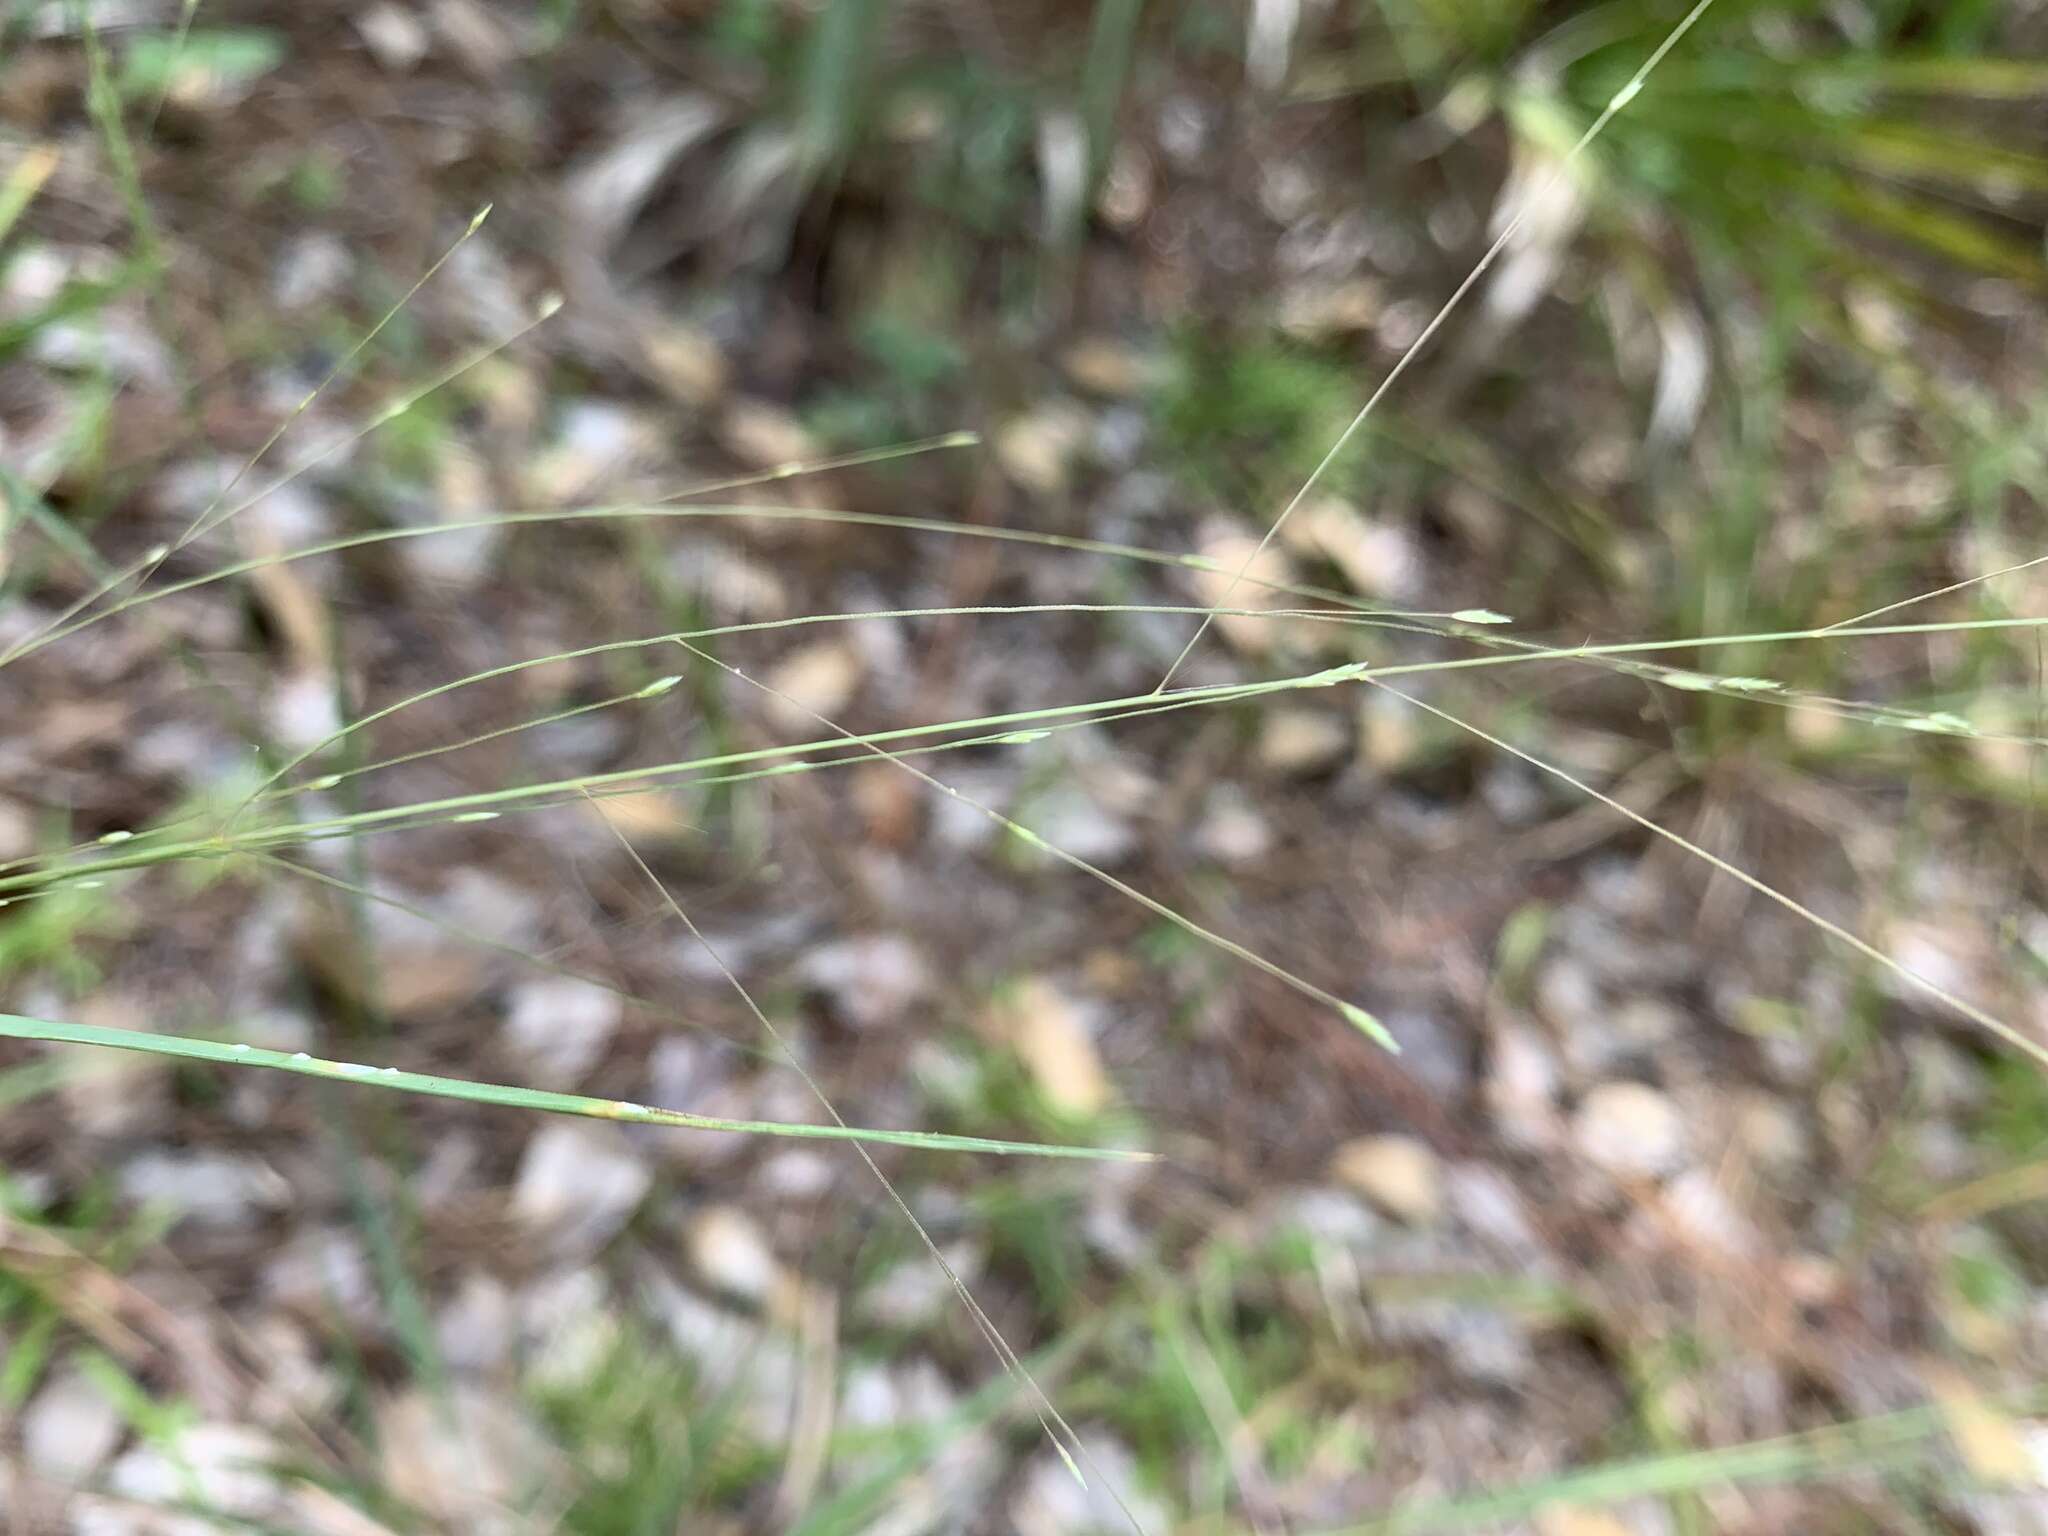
<point>996,730</point>
<point>1536,198</point>
<point>1057,1430</point>
<point>1990,1022</point>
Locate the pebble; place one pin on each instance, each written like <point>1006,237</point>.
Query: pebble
<point>797,1174</point>
<point>1484,1202</point>
<point>766,436</point>
<point>732,1353</point>
<point>884,1396</point>
<point>686,362</point>
<point>1947,1081</point>
<point>1379,559</point>
<point>1230,551</point>
<point>475,1328</point>
<point>1037,450</point>
<point>1699,1210</point>
<point>729,1253</point>
<point>871,979</point>
<point>395,37</point>
<point>221,1468</point>
<point>310,269</point>
<point>1399,1174</point>
<point>1390,731</point>
<point>596,440</point>
<point>1104,366</point>
<point>560,1026</point>
<point>322,1272</point>
<point>1566,996</point>
<point>210,1189</point>
<point>1076,822</point>
<point>1230,830</point>
<point>1051,1502</point>
<point>1521,1088</point>
<point>463,1456</point>
<point>683,1068</point>
<point>568,1326</point>
<point>69,1429</point>
<point>1629,1130</point>
<point>1433,1052</point>
<point>1483,1344</point>
<point>815,683</point>
<point>578,1185</point>
<point>1772,1133</point>
<point>1298,741</point>
<point>916,1291</point>
<point>17,831</point>
<point>1328,1216</point>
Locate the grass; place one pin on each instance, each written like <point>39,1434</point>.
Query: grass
<point>1199,1373</point>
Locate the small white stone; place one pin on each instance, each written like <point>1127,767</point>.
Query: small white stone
<point>1299,741</point>
<point>765,435</point>
<point>1037,449</point>
<point>561,1026</point>
<point>1074,821</point>
<point>1231,831</point>
<point>729,1252</point>
<point>475,1329</point>
<point>872,979</point>
<point>1700,1210</point>
<point>1052,1503</point>
<point>462,1457</point>
<point>1629,1130</point>
<point>915,1292</point>
<point>1521,1088</point>
<point>214,1189</point>
<point>1399,1174</point>
<point>577,1185</point>
<point>813,681</point>
<point>69,1429</point>
<point>221,1468</point>
<point>1771,1133</point>
<point>395,37</point>
<point>569,1326</point>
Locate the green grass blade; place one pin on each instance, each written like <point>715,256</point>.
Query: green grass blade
<point>1892,1438</point>
<point>222,1053</point>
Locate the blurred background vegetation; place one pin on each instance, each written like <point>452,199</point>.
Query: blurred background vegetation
<point>1670,1216</point>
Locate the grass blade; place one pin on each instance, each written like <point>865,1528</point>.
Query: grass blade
<point>222,1053</point>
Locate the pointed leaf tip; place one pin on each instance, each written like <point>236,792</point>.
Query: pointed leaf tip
<point>1370,1027</point>
<point>1067,1457</point>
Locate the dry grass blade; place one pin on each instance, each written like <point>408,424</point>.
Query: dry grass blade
<point>1351,1013</point>
<point>1537,198</point>
<point>1969,1010</point>
<point>1049,1417</point>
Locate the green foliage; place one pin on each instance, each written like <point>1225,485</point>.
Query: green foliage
<point>57,933</point>
<point>2014,1120</point>
<point>1775,129</point>
<point>155,65</point>
<point>649,1449</point>
<point>918,368</point>
<point>1245,420</point>
<point>1037,1226</point>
